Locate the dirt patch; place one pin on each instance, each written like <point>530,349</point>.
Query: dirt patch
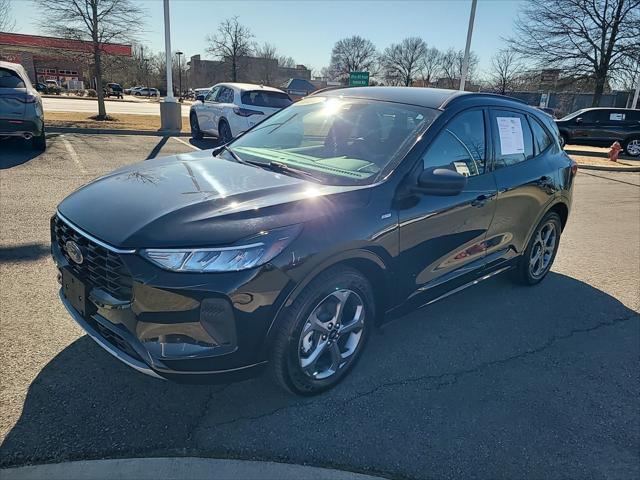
<point>118,121</point>
<point>604,162</point>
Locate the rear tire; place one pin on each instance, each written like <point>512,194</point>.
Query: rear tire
<point>224,132</point>
<point>196,133</point>
<point>39,143</point>
<point>632,147</point>
<point>537,259</point>
<point>323,333</point>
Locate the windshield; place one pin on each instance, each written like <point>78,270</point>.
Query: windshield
<point>343,141</point>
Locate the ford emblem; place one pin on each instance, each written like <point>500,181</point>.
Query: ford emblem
<point>74,251</point>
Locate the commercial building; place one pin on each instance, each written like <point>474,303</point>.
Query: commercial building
<point>265,71</point>
<point>51,58</point>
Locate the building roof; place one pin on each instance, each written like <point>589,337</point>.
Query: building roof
<point>37,41</point>
<point>423,97</point>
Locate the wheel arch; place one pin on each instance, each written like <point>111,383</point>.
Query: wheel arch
<point>562,210</point>
<point>366,262</point>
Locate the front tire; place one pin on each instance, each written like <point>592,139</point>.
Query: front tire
<point>323,332</point>
<point>196,133</point>
<point>537,259</point>
<point>632,147</point>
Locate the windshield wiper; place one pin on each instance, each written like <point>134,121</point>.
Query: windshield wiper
<point>233,154</point>
<point>284,168</point>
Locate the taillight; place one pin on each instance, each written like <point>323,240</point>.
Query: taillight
<point>246,112</point>
<point>574,167</point>
<point>30,98</point>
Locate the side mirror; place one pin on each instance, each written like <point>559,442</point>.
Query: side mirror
<point>579,120</point>
<point>200,98</point>
<point>441,181</point>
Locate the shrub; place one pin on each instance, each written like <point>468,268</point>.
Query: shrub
<point>91,93</point>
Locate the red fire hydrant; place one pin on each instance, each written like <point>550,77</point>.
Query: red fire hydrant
<point>615,151</point>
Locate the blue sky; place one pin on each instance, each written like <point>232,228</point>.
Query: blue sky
<point>307,30</point>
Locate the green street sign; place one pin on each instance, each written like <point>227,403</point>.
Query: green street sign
<point>358,79</point>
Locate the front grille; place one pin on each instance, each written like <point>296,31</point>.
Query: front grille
<point>103,268</point>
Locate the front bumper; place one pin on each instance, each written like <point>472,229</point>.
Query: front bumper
<point>191,328</point>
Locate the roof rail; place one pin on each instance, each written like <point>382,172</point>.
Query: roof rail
<point>453,98</point>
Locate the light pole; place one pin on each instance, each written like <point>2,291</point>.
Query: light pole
<point>465,63</point>
<point>179,54</point>
<point>170,110</point>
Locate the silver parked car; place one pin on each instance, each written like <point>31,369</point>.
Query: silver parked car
<point>21,113</point>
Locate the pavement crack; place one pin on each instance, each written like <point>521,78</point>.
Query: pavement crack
<point>215,392</point>
<point>442,380</point>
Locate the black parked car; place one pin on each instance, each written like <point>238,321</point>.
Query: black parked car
<point>285,247</point>
<point>600,127</point>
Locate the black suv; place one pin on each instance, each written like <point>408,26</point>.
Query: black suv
<point>285,247</point>
<point>600,127</point>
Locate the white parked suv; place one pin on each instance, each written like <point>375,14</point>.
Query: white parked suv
<point>228,109</point>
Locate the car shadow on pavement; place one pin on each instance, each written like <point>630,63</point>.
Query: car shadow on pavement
<point>456,379</point>
<point>16,151</point>
<point>25,252</point>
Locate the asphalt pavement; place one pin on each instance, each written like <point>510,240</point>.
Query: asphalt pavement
<point>498,381</point>
<point>70,104</point>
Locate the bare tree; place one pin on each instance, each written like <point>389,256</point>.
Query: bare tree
<point>401,62</point>
<point>353,54</point>
<point>452,62</point>
<point>231,43</point>
<point>269,70</point>
<point>7,23</point>
<point>506,71</point>
<point>98,22</point>
<point>431,65</point>
<point>589,37</point>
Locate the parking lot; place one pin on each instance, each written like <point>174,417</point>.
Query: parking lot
<point>498,381</point>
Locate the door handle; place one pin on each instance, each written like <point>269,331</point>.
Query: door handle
<point>480,200</point>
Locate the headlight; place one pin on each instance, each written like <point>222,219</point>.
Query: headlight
<point>253,252</point>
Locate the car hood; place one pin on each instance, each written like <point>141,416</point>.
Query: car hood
<point>198,200</point>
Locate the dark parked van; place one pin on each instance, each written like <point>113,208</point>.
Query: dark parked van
<point>600,127</point>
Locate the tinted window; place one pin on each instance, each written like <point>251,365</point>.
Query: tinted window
<point>512,138</point>
<point>540,136</point>
<point>211,96</point>
<point>226,95</point>
<point>460,146</point>
<point>10,79</point>
<point>261,98</point>
<point>594,116</point>
<point>633,116</point>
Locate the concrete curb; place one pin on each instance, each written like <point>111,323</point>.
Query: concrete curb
<point>191,468</point>
<point>603,168</point>
<point>114,131</point>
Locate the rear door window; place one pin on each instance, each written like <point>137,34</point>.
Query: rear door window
<point>10,79</point>
<point>262,98</point>
<point>512,138</point>
<point>225,95</point>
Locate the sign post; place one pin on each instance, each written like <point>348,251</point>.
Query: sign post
<point>358,79</point>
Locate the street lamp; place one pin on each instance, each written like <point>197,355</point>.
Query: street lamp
<point>170,110</point>
<point>465,63</point>
<point>179,54</point>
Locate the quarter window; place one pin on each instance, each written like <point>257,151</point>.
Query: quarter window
<point>540,136</point>
<point>460,146</point>
<point>512,138</point>
<point>10,79</point>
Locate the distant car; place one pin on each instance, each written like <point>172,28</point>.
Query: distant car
<point>21,113</point>
<point>113,90</point>
<point>40,87</point>
<point>229,109</point>
<point>602,126</point>
<point>145,92</point>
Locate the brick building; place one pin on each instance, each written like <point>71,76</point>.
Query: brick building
<point>266,71</point>
<point>51,58</point>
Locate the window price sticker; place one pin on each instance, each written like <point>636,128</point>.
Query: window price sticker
<point>511,137</point>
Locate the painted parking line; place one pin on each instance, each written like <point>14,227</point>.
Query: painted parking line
<point>73,154</point>
<point>185,143</point>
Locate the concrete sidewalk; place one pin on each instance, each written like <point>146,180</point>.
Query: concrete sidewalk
<point>176,468</point>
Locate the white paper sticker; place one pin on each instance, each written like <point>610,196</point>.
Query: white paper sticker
<point>511,138</point>
<point>616,116</point>
<point>461,168</point>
